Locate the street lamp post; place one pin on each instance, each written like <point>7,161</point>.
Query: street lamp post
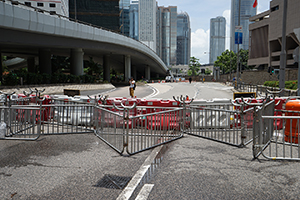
<point>238,49</point>
<point>283,51</point>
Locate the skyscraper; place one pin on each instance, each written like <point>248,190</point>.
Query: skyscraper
<point>167,34</point>
<point>98,12</point>
<point>217,38</point>
<point>124,17</point>
<point>183,39</point>
<point>246,11</point>
<point>134,20</point>
<point>147,23</point>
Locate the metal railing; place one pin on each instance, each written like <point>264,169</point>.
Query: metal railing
<point>262,90</point>
<point>273,141</point>
<point>227,122</point>
<point>132,129</point>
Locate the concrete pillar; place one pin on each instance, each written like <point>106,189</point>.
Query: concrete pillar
<point>77,61</point>
<point>31,64</point>
<point>1,67</point>
<point>147,72</point>
<point>106,68</point>
<point>133,72</point>
<point>45,61</point>
<point>127,65</point>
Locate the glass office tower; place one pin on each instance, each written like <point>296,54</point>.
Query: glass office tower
<point>183,39</point>
<point>246,11</point>
<point>147,23</point>
<point>124,17</point>
<point>134,20</point>
<point>167,34</point>
<point>217,38</point>
<point>102,13</point>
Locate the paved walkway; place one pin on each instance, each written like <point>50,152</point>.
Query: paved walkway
<point>59,89</point>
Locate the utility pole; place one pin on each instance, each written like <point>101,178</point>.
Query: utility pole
<point>238,49</point>
<point>283,50</point>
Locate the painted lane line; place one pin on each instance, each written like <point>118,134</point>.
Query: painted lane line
<point>154,93</point>
<point>145,191</point>
<point>136,179</point>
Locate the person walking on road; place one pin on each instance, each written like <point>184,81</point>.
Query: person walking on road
<point>131,87</point>
<point>190,80</point>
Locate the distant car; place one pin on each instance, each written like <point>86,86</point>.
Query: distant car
<point>168,79</point>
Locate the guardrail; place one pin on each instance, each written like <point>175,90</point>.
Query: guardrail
<point>262,90</point>
<point>130,126</point>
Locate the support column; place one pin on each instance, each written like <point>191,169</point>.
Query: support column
<point>31,64</point>
<point>1,67</point>
<point>77,62</point>
<point>106,68</point>
<point>147,73</point>
<point>127,63</point>
<point>45,61</point>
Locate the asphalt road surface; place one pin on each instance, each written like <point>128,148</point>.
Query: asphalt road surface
<point>73,166</point>
<point>196,90</point>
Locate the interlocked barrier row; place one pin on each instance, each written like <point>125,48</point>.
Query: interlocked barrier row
<point>133,125</point>
<point>222,121</point>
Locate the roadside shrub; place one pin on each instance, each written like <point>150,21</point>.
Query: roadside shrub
<point>10,79</point>
<point>292,85</point>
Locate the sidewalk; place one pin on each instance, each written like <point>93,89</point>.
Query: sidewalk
<point>59,89</point>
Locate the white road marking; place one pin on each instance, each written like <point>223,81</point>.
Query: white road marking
<point>136,179</point>
<point>145,191</point>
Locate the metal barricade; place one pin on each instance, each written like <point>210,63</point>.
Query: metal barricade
<point>132,129</point>
<point>20,123</point>
<point>274,142</point>
<point>67,119</point>
<point>226,123</point>
<point>263,127</point>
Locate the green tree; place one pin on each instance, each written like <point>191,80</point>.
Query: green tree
<point>194,66</point>
<point>226,61</point>
<point>91,67</point>
<point>208,71</point>
<point>244,59</point>
<point>60,64</point>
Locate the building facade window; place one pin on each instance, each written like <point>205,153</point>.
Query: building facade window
<point>40,4</point>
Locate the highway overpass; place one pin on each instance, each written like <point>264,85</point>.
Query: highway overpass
<point>37,35</point>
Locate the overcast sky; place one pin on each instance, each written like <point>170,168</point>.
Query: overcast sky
<point>200,12</point>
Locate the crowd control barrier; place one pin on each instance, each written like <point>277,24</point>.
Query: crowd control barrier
<point>130,134</point>
<point>221,121</point>
<point>133,125</point>
<point>272,141</point>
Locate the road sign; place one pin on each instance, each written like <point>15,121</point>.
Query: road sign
<point>238,35</point>
<point>239,29</point>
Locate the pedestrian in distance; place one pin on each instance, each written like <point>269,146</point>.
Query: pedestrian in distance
<point>190,80</point>
<point>132,86</point>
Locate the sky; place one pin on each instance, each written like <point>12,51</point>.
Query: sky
<point>200,12</point>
